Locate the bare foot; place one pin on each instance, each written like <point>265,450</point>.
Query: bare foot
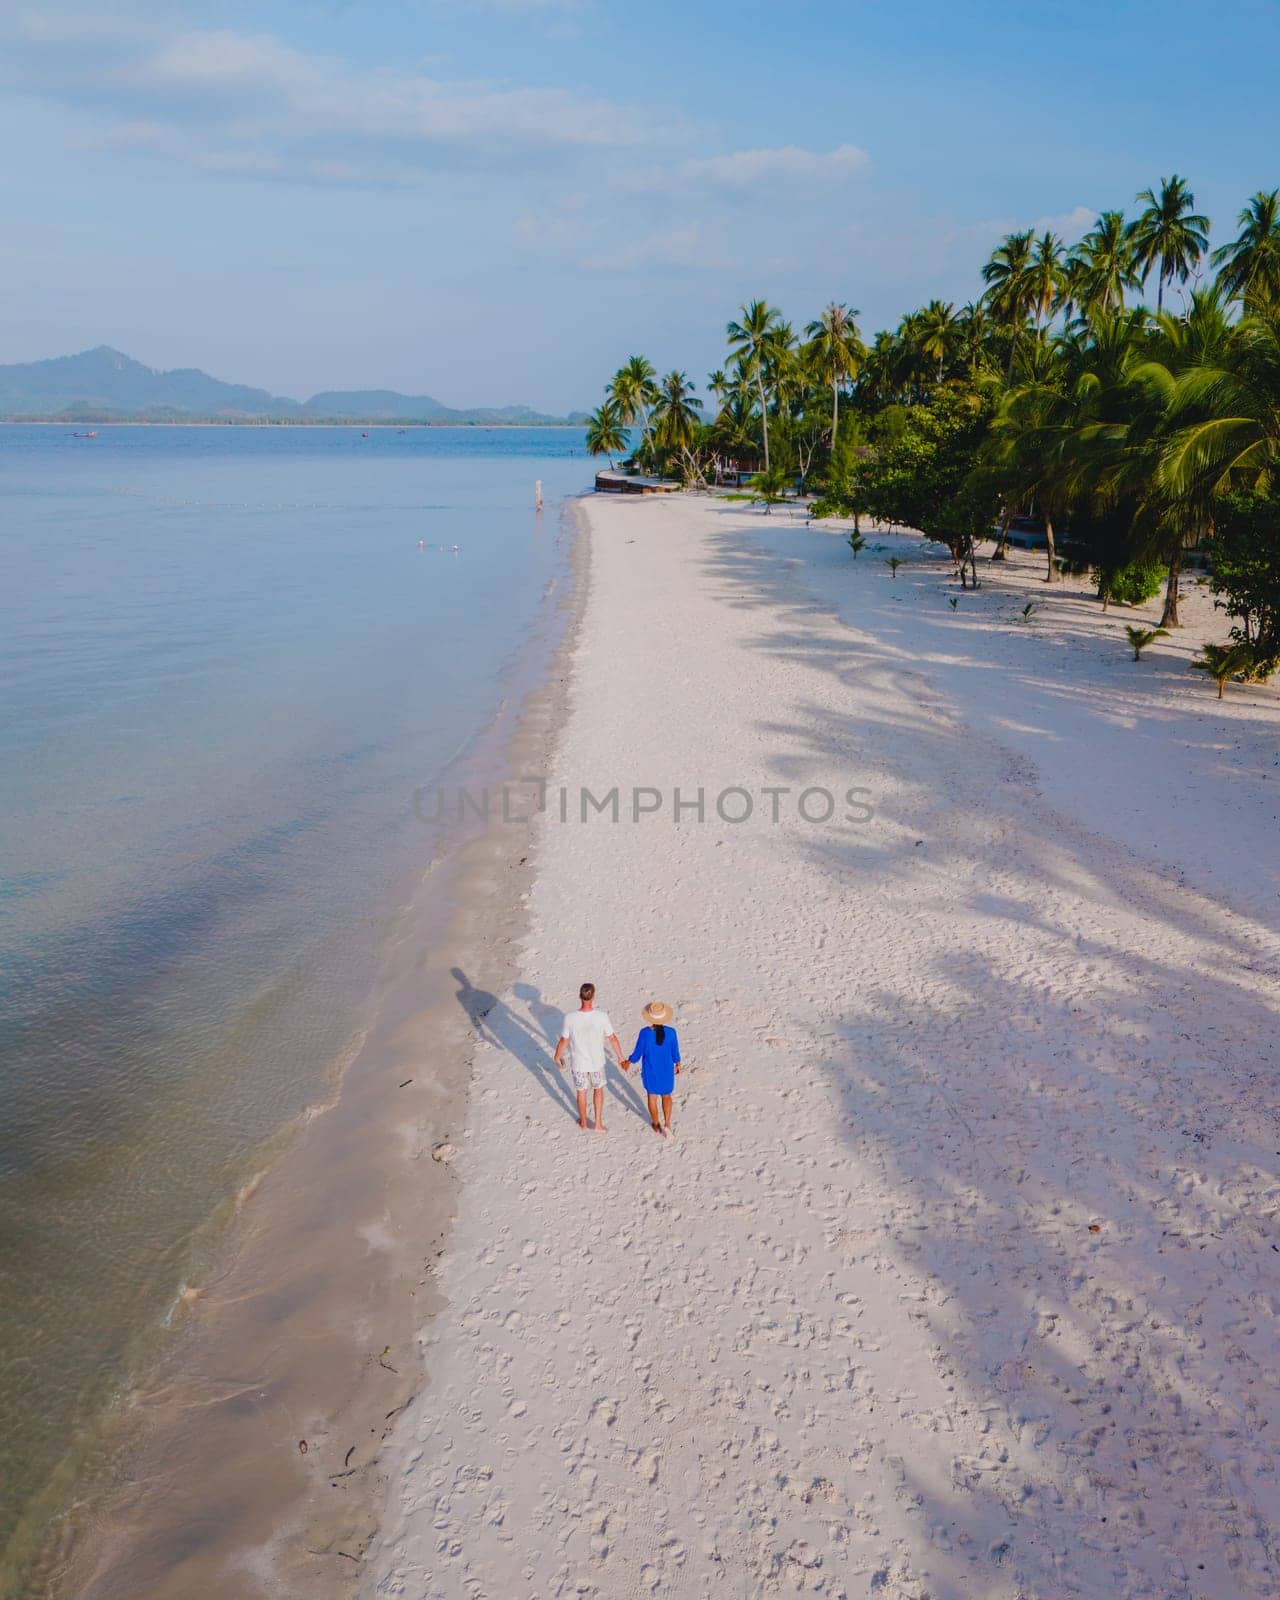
<point>667,1133</point>
<point>583,1124</point>
<point>600,1128</point>
<point>657,1127</point>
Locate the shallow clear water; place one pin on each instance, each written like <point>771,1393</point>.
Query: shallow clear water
<point>225,670</point>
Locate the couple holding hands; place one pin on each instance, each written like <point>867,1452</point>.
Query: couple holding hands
<point>587,1031</point>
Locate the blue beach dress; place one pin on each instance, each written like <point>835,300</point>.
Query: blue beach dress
<point>658,1070</point>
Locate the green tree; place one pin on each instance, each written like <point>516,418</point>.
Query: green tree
<point>633,390</point>
<point>921,469</point>
<point>721,387</point>
<point>1225,411</point>
<point>835,350</point>
<point>1222,662</point>
<point>1169,234</point>
<point>1246,568</point>
<point>675,414</point>
<point>1008,292</point>
<point>843,494</point>
<point>605,433</point>
<point>751,339</point>
<point>936,334</point>
<point>1249,266</point>
<point>1101,268</point>
<point>1046,279</point>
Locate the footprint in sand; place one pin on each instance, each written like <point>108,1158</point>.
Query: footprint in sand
<point>606,1411</point>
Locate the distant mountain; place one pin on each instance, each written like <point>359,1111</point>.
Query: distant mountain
<point>104,385</point>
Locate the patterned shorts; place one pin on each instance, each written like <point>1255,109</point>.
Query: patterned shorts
<point>582,1081</point>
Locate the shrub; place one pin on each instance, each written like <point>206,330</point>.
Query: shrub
<point>1131,585</point>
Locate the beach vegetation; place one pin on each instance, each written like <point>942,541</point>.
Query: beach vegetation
<point>771,486</point>
<point>1249,266</point>
<point>633,392</point>
<point>1223,662</point>
<point>1140,638</point>
<point>606,433</point>
<point>1169,235</point>
<point>834,352</point>
<point>1246,569</point>
<point>1129,438</point>
<point>754,340</point>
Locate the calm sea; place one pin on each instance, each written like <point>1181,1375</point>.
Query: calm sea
<point>225,668</point>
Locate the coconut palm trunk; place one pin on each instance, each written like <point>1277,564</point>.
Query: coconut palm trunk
<point>1051,576</point>
<point>764,413</point>
<point>1169,619</point>
<point>1001,551</point>
<point>835,409</point>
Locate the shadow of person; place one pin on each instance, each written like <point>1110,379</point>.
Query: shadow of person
<point>625,1092</point>
<point>550,1019</point>
<point>498,1025</point>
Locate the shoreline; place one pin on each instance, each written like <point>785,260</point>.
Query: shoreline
<point>321,1346</point>
<point>949,1282</point>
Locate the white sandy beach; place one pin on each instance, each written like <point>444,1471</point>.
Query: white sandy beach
<point>961,1278</point>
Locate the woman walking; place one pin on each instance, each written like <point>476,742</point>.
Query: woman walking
<point>658,1049</point>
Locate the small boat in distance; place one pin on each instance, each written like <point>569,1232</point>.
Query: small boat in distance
<point>91,435</point>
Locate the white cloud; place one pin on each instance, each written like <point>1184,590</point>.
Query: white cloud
<point>265,106</point>
<point>1069,225</point>
<point>673,247</point>
<point>747,169</point>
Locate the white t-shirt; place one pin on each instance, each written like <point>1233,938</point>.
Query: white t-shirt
<point>586,1032</point>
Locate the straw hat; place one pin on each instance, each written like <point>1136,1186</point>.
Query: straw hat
<point>658,1011</point>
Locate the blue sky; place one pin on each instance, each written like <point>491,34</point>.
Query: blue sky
<point>498,200</point>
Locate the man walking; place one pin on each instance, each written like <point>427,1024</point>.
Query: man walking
<point>585,1034</point>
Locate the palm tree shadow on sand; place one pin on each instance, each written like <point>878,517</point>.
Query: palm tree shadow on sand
<point>530,1035</point>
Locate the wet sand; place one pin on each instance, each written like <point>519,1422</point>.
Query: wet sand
<point>249,1461</point>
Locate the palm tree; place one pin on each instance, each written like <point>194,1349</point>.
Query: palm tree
<point>719,386</point>
<point>1045,279</point>
<point>750,341</point>
<point>633,391</point>
<point>936,333</point>
<point>1005,276</point>
<point>771,486</point>
<point>1101,267</point>
<point>1249,267</point>
<point>1223,661</point>
<point>605,432</point>
<point>1140,638</point>
<point>1028,445</point>
<point>1225,412</point>
<point>675,414</point>
<point>973,339</point>
<point>1168,233</point>
<point>784,376</point>
<point>836,351</point>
